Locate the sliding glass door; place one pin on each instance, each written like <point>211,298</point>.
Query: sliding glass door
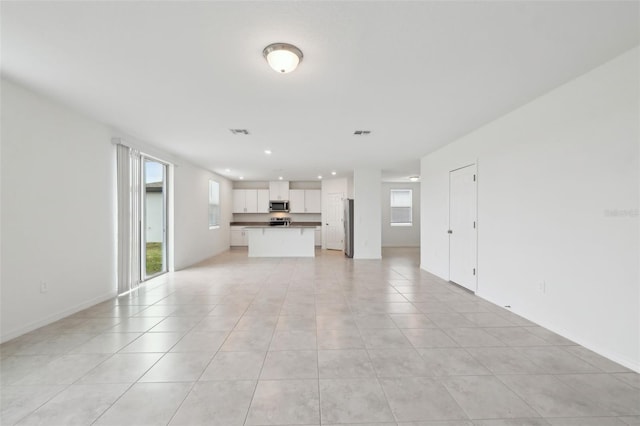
<point>154,218</point>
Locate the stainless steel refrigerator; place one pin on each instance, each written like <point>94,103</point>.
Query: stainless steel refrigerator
<point>348,227</point>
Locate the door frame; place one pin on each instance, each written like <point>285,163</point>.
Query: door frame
<point>477,233</point>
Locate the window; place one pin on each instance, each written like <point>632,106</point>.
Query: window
<point>214,204</point>
<point>401,214</point>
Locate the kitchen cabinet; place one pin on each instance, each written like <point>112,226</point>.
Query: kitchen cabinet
<point>296,201</point>
<point>246,201</point>
<point>304,201</point>
<point>312,201</point>
<point>239,236</point>
<point>279,190</point>
<point>281,241</point>
<point>263,201</point>
<point>318,236</point>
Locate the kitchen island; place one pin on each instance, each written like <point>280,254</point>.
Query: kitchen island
<point>281,241</point>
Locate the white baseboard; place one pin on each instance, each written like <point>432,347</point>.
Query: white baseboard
<point>55,317</point>
<point>617,358</point>
<point>201,259</point>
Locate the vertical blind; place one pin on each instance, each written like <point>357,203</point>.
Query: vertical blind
<point>401,206</point>
<point>214,203</point>
<point>129,199</point>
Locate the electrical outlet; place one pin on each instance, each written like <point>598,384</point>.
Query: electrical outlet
<point>43,287</point>
<point>542,286</point>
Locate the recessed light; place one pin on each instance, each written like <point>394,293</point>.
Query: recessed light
<point>267,151</point>
<point>414,178</point>
<point>279,177</point>
<point>319,176</point>
<point>333,173</point>
<point>241,177</point>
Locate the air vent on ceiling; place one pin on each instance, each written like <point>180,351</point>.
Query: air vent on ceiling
<point>239,131</point>
<point>362,132</point>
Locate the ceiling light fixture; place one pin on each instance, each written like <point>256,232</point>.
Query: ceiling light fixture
<point>282,57</point>
<point>319,176</point>
<point>267,151</point>
<point>279,177</point>
<point>414,178</point>
<point>333,173</point>
<point>241,177</point>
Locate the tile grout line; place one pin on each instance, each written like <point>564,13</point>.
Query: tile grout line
<point>196,381</point>
<point>255,388</point>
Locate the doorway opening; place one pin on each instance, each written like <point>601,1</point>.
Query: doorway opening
<point>142,211</point>
<point>154,218</point>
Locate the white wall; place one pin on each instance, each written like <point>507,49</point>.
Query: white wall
<point>193,240</point>
<point>349,186</point>
<point>367,230</point>
<point>400,236</point>
<point>558,198</point>
<point>58,197</point>
<point>58,214</point>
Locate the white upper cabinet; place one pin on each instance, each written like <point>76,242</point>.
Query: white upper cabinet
<point>312,201</point>
<point>304,201</point>
<point>296,201</point>
<point>251,200</point>
<point>279,190</point>
<point>257,200</point>
<point>263,201</point>
<point>246,201</point>
<point>239,201</point>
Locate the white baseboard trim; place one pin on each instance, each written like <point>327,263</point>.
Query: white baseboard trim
<point>201,260</point>
<point>55,317</point>
<point>617,358</point>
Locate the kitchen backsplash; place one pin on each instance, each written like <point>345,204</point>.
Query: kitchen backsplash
<point>264,217</point>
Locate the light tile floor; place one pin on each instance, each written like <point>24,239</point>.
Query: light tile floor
<point>238,341</point>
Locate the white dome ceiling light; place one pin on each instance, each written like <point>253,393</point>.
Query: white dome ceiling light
<point>282,57</point>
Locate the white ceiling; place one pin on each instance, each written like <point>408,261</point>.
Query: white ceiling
<point>179,75</point>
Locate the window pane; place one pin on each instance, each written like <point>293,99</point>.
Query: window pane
<point>401,215</point>
<point>214,203</point>
<point>400,198</point>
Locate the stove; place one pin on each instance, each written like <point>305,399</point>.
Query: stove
<point>280,221</point>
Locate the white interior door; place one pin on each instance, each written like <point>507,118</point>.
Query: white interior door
<point>463,227</point>
<point>334,230</point>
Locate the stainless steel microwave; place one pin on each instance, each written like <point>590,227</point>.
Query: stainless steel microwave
<point>278,206</point>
